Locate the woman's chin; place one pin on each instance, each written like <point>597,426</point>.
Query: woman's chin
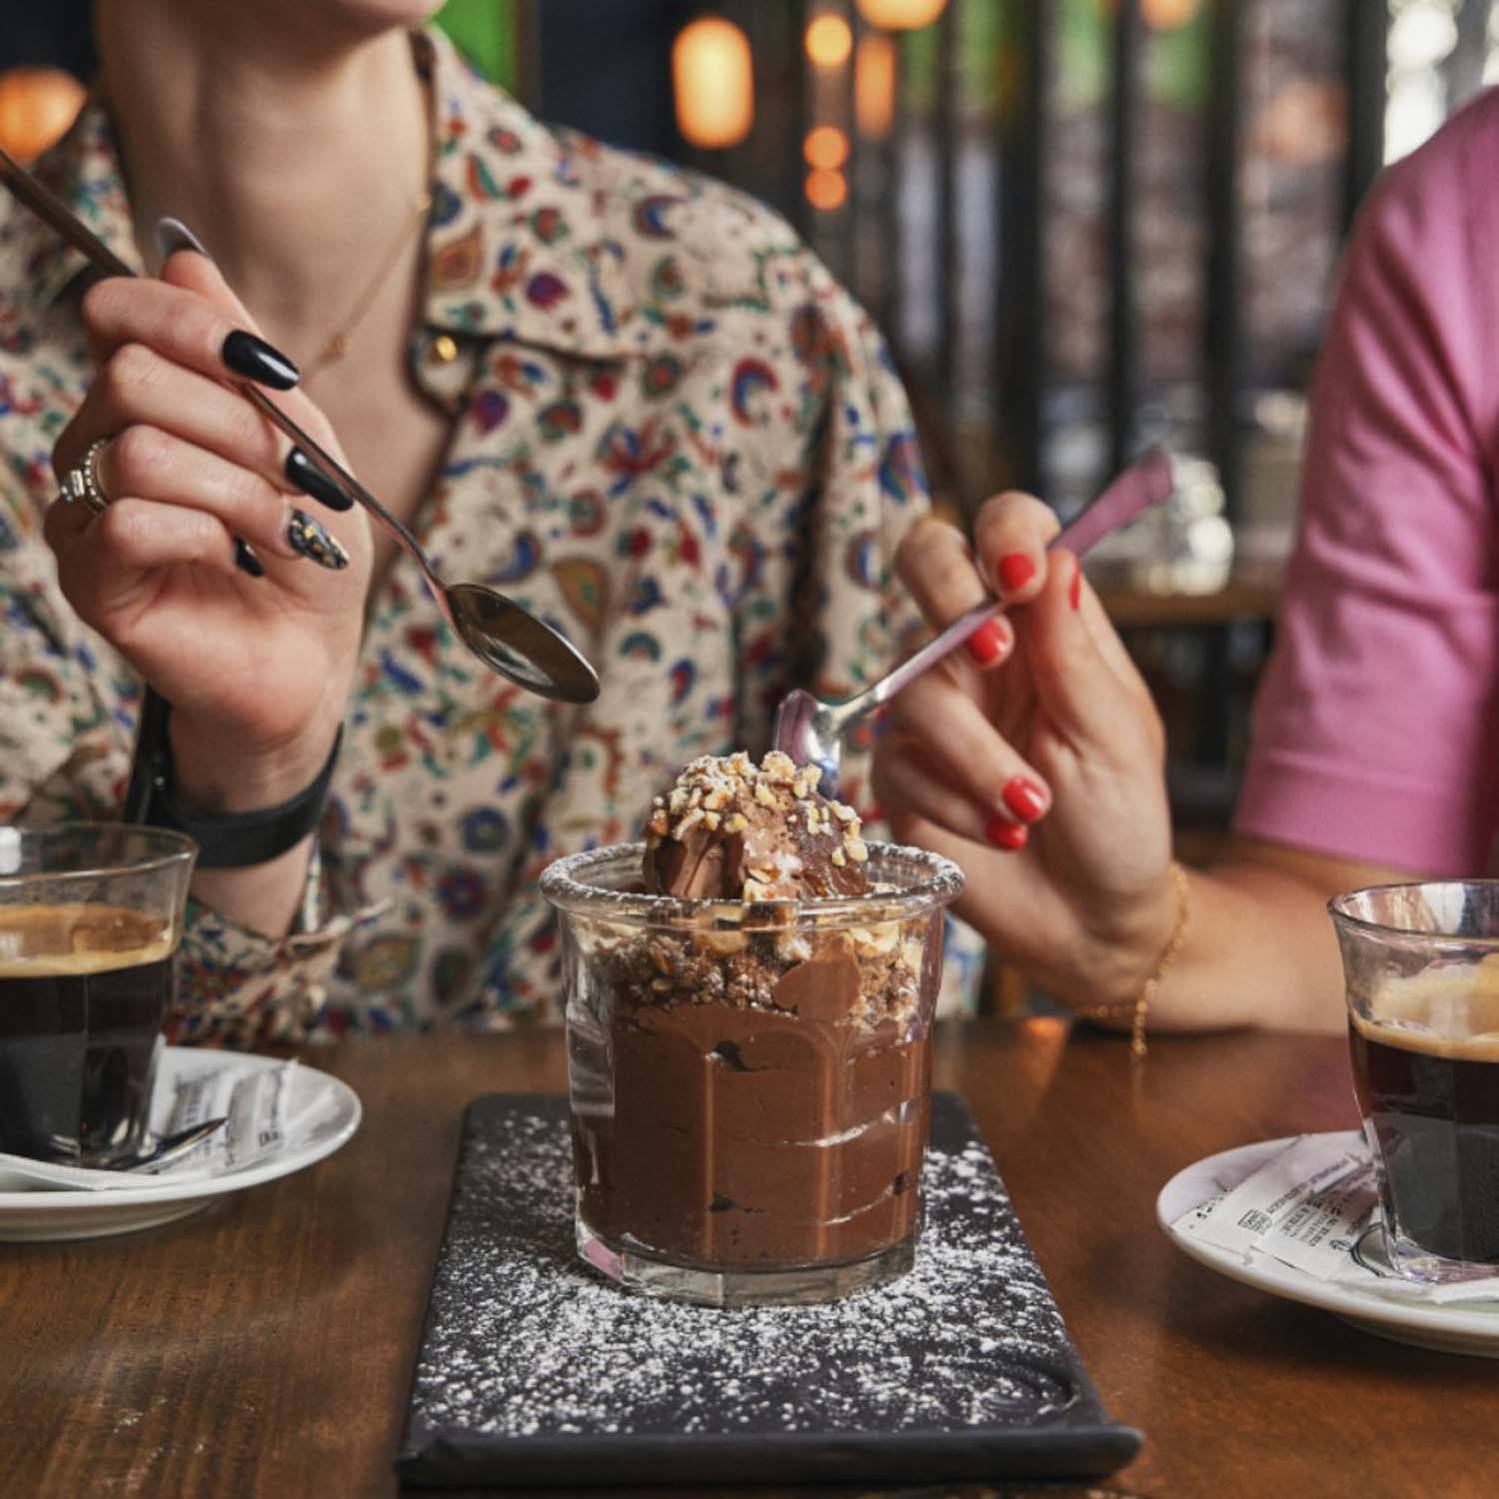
<point>379,15</point>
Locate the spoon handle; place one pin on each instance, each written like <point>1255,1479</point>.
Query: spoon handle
<point>333,470</point>
<point>103,1176</point>
<point>50,209</point>
<point>172,1147</point>
<point>1146,482</point>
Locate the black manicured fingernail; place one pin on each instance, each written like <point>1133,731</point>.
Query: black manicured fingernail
<point>313,542</point>
<point>312,481</point>
<point>256,360</point>
<point>246,560</point>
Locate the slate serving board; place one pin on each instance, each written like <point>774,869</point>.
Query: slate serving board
<point>534,1370</point>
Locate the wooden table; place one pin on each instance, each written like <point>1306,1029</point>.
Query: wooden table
<point>265,1347</point>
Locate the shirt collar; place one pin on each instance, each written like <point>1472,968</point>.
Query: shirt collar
<point>526,240</point>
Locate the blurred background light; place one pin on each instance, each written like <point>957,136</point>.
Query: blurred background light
<point>826,146</point>
<point>829,41</point>
<point>713,79</point>
<point>874,86</point>
<point>36,107</point>
<point>1159,15</point>
<point>827,189</point>
<point>1168,15</point>
<point>901,15</point>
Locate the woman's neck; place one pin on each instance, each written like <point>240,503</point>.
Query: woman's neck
<point>295,155</point>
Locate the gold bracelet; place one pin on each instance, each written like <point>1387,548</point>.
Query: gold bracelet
<point>1140,1006</point>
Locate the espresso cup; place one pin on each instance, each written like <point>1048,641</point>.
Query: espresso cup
<point>90,918</point>
<point>1421,968</point>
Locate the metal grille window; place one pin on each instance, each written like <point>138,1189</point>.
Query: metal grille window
<point>1087,224</point>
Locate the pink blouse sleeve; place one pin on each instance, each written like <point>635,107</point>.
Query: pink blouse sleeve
<point>1377,724</point>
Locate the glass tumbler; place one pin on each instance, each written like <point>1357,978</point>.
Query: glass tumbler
<point>90,918</point>
<point>1421,968</point>
<point>750,1083</point>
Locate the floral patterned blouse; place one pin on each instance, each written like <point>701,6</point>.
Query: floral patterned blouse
<point>674,436</point>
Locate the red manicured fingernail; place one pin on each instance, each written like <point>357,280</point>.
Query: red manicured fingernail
<point>1015,571</point>
<point>1025,799</point>
<point>987,644</point>
<point>1003,833</point>
<point>1075,590</point>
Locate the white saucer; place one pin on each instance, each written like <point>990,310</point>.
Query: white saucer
<point>323,1111</point>
<point>1448,1329</point>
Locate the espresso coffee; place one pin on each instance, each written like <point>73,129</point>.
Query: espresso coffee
<point>1433,1104</point>
<point>83,993</point>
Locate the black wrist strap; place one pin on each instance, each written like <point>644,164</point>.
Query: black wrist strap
<point>226,840</point>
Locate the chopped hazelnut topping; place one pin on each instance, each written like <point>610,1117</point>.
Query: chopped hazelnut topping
<point>722,795</point>
<point>779,767</point>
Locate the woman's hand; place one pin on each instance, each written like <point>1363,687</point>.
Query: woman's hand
<point>1034,760</point>
<point>255,654</point>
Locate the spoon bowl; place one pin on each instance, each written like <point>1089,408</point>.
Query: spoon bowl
<point>811,732</point>
<point>508,639</point>
<point>518,645</point>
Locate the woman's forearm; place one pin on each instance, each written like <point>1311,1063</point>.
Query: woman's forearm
<point>264,897</point>
<point>1259,947</point>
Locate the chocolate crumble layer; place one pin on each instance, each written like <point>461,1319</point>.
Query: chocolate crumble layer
<point>769,1093</point>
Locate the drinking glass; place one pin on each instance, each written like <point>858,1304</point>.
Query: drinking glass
<point>90,918</point>
<point>1421,967</point>
<point>750,1083</point>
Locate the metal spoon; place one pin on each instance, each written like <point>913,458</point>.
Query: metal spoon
<point>170,1147</point>
<point>812,731</point>
<point>497,630</point>
<point>115,1172</point>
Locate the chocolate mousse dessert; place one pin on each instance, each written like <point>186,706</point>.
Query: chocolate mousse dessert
<point>732,830</point>
<point>764,1076</point>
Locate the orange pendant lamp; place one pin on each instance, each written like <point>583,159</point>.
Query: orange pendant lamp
<point>901,15</point>
<point>36,107</point>
<point>713,78</point>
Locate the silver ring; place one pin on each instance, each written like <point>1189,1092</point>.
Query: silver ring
<point>81,482</point>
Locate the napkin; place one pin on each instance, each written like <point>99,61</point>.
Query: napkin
<point>254,1105</point>
<point>1315,1206</point>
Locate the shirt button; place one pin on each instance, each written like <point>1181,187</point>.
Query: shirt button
<point>444,349</point>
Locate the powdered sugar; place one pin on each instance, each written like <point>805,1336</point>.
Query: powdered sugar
<point>524,1341</point>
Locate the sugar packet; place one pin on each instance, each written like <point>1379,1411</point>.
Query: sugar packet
<point>1314,1206</point>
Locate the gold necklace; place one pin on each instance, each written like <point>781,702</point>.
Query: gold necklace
<point>336,345</point>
